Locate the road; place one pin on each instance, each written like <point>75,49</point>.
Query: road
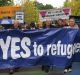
<point>37,71</point>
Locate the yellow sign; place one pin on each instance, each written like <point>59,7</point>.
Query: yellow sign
<point>8,11</point>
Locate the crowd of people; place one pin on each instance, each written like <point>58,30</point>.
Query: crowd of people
<point>60,23</point>
<point>41,25</point>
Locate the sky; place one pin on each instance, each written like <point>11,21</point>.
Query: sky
<point>54,3</point>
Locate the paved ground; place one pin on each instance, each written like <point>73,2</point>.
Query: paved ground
<point>76,71</point>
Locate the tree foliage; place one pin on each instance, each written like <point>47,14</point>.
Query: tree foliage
<point>75,7</point>
<point>6,2</point>
<point>40,6</point>
<point>31,12</point>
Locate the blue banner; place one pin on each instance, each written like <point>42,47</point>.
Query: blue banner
<point>27,48</point>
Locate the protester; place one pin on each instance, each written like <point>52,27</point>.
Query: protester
<point>59,23</point>
<point>16,25</point>
<point>40,25</point>
<point>25,26</point>
<point>32,26</point>
<point>48,24</point>
<point>73,25</point>
<point>64,23</point>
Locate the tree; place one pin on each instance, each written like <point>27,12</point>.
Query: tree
<point>48,6</point>
<point>6,2</point>
<point>40,6</point>
<point>75,7</point>
<point>31,11</point>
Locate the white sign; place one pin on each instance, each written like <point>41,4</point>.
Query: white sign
<point>20,16</point>
<point>55,14</point>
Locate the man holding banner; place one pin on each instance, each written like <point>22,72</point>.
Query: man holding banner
<point>73,25</point>
<point>16,26</point>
